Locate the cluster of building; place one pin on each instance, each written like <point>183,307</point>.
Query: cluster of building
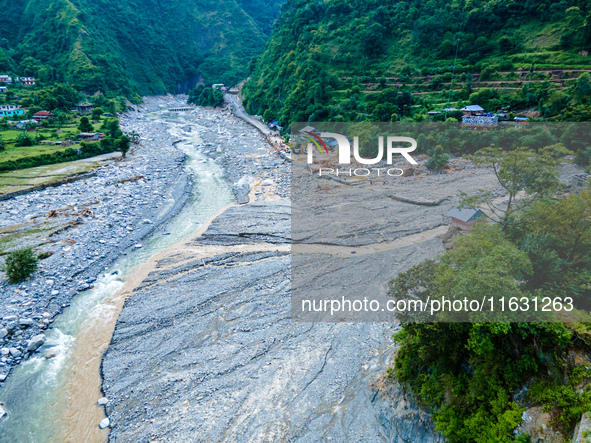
<point>10,111</point>
<point>86,108</point>
<point>221,87</point>
<point>83,108</point>
<point>15,111</point>
<point>475,116</point>
<point>42,115</point>
<point>25,81</point>
<point>90,136</point>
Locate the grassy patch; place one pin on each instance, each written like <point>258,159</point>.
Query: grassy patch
<point>537,35</point>
<point>15,153</point>
<point>14,236</point>
<point>68,132</point>
<point>42,175</point>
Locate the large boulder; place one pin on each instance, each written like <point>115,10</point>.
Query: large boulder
<point>34,343</point>
<point>25,322</point>
<point>402,418</point>
<point>15,352</point>
<point>242,189</point>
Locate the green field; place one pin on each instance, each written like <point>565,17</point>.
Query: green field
<point>12,152</point>
<point>31,233</point>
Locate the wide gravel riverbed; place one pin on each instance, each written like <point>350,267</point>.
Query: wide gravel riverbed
<point>99,230</point>
<point>172,303</point>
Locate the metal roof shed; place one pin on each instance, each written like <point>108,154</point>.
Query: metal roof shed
<point>465,218</point>
<point>472,108</point>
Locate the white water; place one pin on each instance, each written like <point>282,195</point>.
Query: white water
<point>33,394</point>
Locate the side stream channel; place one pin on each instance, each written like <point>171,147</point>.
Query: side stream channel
<point>42,394</point>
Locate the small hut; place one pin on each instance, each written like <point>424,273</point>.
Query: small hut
<point>464,218</point>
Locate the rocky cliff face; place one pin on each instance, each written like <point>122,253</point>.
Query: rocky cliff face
<point>402,419</point>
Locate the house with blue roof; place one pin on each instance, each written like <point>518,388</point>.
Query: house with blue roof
<point>465,218</point>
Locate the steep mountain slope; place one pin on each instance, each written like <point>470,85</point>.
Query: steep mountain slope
<point>132,45</point>
<point>332,60</point>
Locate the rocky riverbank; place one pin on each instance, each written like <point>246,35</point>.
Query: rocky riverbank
<point>85,226</point>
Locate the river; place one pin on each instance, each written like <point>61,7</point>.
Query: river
<point>52,396</point>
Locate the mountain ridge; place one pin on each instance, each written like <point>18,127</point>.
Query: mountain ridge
<point>131,46</point>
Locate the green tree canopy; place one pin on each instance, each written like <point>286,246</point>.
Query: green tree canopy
<point>518,171</point>
<point>96,113</point>
<point>122,145</point>
<point>85,125</point>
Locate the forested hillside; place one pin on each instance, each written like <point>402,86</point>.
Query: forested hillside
<point>130,46</point>
<point>349,61</point>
